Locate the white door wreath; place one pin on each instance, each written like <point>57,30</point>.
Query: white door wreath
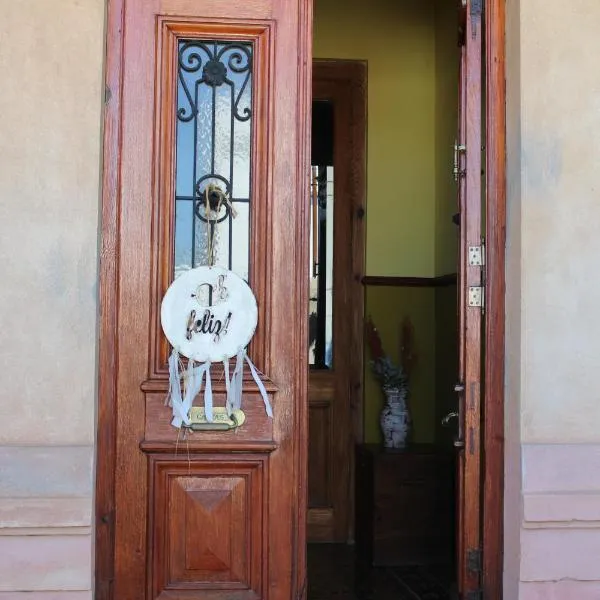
<point>208,314</point>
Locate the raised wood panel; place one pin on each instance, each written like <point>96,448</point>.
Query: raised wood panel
<point>321,386</point>
<point>258,426</point>
<point>203,531</point>
<point>206,526</point>
<point>319,454</point>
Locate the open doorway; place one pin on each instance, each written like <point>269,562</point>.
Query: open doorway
<point>336,307</point>
<point>388,518</point>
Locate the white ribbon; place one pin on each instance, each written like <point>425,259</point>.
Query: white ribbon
<point>174,398</point>
<point>237,382</point>
<point>261,386</point>
<point>208,399</point>
<point>193,379</point>
<point>193,386</point>
<point>228,404</point>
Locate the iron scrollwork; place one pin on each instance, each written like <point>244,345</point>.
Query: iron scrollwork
<point>214,72</point>
<point>214,107</point>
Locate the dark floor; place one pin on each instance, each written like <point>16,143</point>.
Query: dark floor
<point>332,574</point>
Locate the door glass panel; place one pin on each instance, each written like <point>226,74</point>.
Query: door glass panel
<point>320,351</point>
<point>213,147</point>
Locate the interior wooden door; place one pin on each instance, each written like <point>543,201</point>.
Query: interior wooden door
<point>470,303</point>
<point>336,295</point>
<point>199,92</point>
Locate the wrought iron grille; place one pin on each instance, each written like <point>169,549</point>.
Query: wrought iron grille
<point>320,317</point>
<point>213,154</point>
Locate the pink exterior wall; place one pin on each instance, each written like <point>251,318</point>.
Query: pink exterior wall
<point>552,495</point>
<point>51,56</point>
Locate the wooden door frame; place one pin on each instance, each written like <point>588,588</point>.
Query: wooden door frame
<point>353,73</point>
<point>348,79</point>
<point>106,431</point>
<point>495,234</point>
<point>493,458</point>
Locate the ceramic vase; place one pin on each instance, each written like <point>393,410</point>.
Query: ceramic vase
<point>395,418</point>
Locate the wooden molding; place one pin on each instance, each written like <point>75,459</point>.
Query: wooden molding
<point>163,238</point>
<point>441,281</point>
<point>108,327</point>
<point>206,448</point>
<point>470,336</point>
<point>493,421</point>
<point>342,83</point>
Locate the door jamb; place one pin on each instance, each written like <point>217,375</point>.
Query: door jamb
<point>495,198</point>
<point>104,513</point>
<point>352,74</point>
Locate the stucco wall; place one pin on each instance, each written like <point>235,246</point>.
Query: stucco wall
<point>50,102</point>
<point>553,321</point>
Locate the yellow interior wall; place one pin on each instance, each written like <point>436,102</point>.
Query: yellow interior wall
<point>409,208</point>
<point>397,39</point>
<point>447,57</point>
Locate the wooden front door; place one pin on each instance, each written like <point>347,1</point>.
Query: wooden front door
<point>203,92</point>
<point>471,303</point>
<point>336,294</point>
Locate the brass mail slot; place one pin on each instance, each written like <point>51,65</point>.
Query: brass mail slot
<point>221,420</point>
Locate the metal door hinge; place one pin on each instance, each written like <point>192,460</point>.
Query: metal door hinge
<point>476,256</point>
<point>474,557</point>
<point>107,94</point>
<point>476,296</point>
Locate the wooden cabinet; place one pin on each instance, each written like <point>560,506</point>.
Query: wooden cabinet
<point>404,505</point>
